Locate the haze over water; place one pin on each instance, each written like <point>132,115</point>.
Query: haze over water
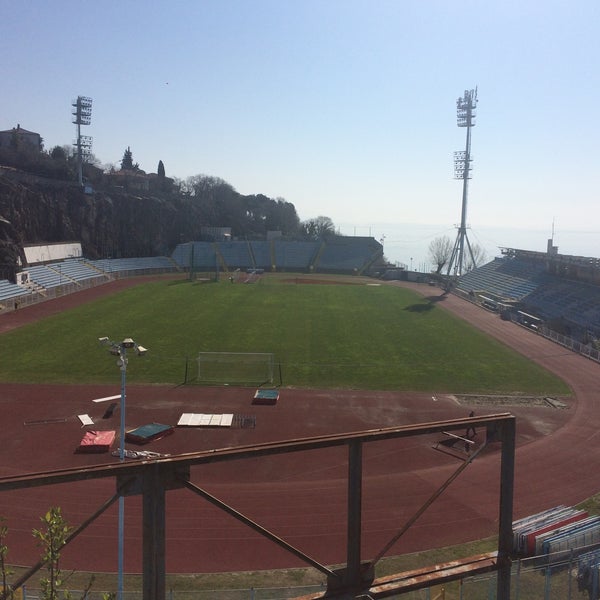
<point>407,243</point>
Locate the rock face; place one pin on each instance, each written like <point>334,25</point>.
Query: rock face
<point>126,214</point>
<point>107,223</point>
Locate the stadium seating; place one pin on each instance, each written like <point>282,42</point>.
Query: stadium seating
<point>74,270</point>
<point>294,255</point>
<point>235,254</point>
<point>348,254</point>
<point>45,277</point>
<point>261,253</point>
<point>573,304</point>
<point>507,278</point>
<point>337,254</point>
<point>10,291</point>
<point>572,301</point>
<point>147,264</point>
<point>202,255</point>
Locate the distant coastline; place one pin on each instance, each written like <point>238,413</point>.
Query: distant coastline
<point>403,241</point>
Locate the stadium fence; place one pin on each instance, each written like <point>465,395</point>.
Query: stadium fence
<point>551,577</point>
<point>563,340</point>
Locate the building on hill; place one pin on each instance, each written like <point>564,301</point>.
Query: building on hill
<point>132,181</point>
<point>17,138</point>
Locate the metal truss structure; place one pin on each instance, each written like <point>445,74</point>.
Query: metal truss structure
<point>459,261</point>
<point>154,477</point>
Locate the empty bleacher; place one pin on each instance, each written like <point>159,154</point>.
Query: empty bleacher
<point>74,269</point>
<point>200,255</point>
<point>45,277</point>
<point>294,256</point>
<point>572,306</point>
<point>236,255</point>
<point>506,278</point>
<point>11,291</point>
<point>134,266</point>
<point>574,302</point>
<point>337,254</point>
<point>261,253</point>
<point>348,254</point>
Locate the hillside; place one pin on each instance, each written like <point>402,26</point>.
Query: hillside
<point>117,221</point>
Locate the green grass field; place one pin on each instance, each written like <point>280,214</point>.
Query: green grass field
<point>342,336</point>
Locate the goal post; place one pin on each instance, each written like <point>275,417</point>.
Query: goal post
<point>233,368</point>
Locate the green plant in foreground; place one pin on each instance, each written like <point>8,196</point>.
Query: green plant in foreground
<point>5,571</point>
<point>52,538</point>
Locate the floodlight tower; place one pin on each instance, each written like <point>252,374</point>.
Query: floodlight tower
<point>120,349</point>
<point>465,112</point>
<point>82,115</point>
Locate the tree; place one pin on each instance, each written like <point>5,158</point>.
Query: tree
<point>318,228</point>
<point>440,250</point>
<point>207,186</point>
<point>58,153</point>
<point>127,161</point>
<point>161,169</point>
<point>479,257</point>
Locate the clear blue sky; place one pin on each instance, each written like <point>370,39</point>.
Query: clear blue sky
<point>344,108</point>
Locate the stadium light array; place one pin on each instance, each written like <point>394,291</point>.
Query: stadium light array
<point>120,349</point>
<point>465,117</point>
<point>82,110</point>
<point>82,115</point>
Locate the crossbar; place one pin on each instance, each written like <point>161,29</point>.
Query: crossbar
<point>156,475</point>
<point>407,581</point>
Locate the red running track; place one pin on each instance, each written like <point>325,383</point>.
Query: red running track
<point>300,497</point>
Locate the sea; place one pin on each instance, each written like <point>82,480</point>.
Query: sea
<point>407,244</point>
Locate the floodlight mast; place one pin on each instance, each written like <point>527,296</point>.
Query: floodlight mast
<point>120,349</point>
<point>465,112</point>
<point>82,115</point>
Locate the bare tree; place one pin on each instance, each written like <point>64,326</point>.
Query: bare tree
<point>479,257</point>
<point>440,250</point>
<point>318,228</point>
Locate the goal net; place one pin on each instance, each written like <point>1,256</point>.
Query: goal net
<point>234,368</point>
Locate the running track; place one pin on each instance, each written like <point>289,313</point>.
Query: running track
<point>302,497</point>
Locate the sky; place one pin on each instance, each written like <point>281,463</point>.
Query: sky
<point>345,108</point>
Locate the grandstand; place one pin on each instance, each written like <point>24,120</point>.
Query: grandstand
<point>11,291</point>
<point>294,256</point>
<point>338,254</point>
<point>560,292</point>
<point>350,254</point>
<point>123,267</point>
<point>44,279</point>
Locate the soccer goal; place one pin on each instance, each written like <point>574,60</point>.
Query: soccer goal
<point>233,368</point>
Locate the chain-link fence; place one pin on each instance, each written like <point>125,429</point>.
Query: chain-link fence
<point>560,576</point>
<point>28,593</point>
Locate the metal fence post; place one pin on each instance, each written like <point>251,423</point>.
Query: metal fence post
<point>518,579</point>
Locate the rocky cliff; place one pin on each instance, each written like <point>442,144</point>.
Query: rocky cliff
<point>117,219</point>
<point>107,223</point>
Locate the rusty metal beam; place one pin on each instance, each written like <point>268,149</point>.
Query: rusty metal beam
<point>400,583</point>
<point>258,528</point>
<point>437,575</point>
<point>241,452</point>
<point>426,505</point>
<point>154,487</point>
<point>157,475</point>
<point>507,435</point>
<point>354,526</point>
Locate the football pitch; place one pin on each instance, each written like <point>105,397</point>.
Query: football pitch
<point>322,336</point>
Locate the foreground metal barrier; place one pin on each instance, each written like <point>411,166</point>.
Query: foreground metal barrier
<point>152,478</point>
